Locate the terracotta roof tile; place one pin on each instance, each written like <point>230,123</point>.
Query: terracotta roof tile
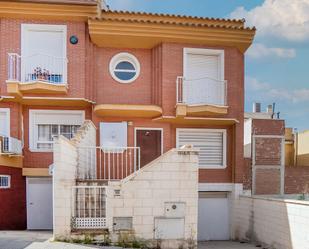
<point>172,20</point>
<point>81,2</point>
<point>173,16</point>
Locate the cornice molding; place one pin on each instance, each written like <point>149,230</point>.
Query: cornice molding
<point>48,11</point>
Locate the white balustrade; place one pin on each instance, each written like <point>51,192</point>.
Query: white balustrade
<point>201,91</point>
<point>107,163</point>
<point>37,67</point>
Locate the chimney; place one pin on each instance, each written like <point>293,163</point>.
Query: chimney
<point>269,109</point>
<point>256,107</point>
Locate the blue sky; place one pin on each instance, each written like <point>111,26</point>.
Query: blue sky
<point>277,65</point>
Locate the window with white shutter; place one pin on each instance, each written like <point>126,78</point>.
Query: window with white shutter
<point>204,77</point>
<point>4,122</point>
<point>210,142</point>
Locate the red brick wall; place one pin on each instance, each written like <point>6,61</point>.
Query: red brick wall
<point>296,180</point>
<point>267,181</point>
<point>13,201</point>
<point>10,42</point>
<point>109,91</point>
<point>268,151</point>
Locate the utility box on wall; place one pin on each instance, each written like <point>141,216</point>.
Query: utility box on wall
<point>169,228</point>
<point>122,223</point>
<point>174,209</point>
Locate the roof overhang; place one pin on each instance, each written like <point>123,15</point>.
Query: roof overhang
<point>196,121</point>
<point>118,29</point>
<point>48,10</point>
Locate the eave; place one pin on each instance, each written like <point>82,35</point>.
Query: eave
<point>142,34</point>
<point>48,101</point>
<point>47,11</point>
<point>128,111</point>
<point>196,121</point>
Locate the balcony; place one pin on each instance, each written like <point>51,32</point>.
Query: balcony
<point>37,74</point>
<point>201,97</point>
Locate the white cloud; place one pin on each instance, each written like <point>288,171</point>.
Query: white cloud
<point>258,50</point>
<point>285,19</point>
<point>267,91</point>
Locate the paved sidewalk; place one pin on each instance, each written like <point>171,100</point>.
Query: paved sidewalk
<point>40,240</point>
<point>21,239</point>
<point>225,245</point>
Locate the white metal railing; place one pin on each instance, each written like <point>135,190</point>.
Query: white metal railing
<point>107,163</point>
<point>37,67</point>
<point>201,91</point>
<point>10,145</point>
<point>89,207</point>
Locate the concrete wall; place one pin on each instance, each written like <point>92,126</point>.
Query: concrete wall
<point>64,175</point>
<point>173,177</point>
<point>280,224</point>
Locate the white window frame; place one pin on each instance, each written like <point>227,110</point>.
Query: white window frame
<point>27,28</point>
<point>8,119</point>
<point>146,129</point>
<point>33,126</point>
<point>223,131</point>
<point>124,57</point>
<point>203,51</point>
<point>9,182</point>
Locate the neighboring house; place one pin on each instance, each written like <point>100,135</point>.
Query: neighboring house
<point>148,82</point>
<point>297,147</point>
<point>269,151</point>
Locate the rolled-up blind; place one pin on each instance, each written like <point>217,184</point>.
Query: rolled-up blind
<point>211,145</point>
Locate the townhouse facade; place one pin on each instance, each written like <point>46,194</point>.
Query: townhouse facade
<point>148,82</point>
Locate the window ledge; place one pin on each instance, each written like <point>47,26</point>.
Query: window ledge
<point>37,87</point>
<point>122,110</point>
<point>202,110</point>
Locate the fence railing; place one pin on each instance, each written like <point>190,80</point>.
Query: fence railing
<point>201,91</point>
<point>107,163</point>
<point>89,207</point>
<point>37,67</point>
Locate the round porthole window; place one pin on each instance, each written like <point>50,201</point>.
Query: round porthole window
<point>124,68</point>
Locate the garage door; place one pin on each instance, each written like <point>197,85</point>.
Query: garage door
<point>39,203</point>
<point>213,216</point>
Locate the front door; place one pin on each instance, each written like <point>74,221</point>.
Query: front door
<point>149,142</point>
<point>39,203</point>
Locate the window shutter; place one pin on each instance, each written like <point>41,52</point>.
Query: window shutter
<point>4,129</point>
<point>200,66</point>
<point>211,144</point>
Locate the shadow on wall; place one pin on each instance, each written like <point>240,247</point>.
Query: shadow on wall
<point>272,223</point>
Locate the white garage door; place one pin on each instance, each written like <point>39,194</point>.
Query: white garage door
<point>39,203</point>
<point>213,216</point>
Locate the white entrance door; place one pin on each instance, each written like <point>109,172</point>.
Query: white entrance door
<point>39,203</point>
<point>213,216</point>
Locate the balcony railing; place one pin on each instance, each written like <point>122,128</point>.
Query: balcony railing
<point>201,91</point>
<point>38,67</point>
<point>107,163</point>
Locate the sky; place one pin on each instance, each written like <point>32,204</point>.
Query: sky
<point>277,64</point>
